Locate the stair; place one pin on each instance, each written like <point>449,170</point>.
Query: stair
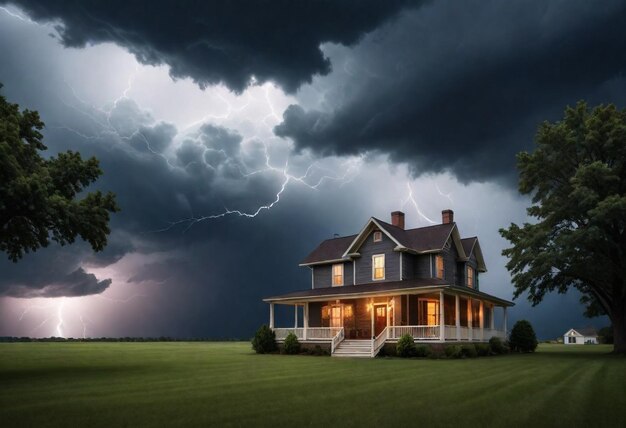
<point>354,348</point>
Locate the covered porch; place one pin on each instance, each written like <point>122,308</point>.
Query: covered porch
<point>442,315</point>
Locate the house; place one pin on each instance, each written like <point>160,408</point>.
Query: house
<point>581,336</point>
<point>371,288</point>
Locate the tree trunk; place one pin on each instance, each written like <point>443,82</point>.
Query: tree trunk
<point>619,331</point>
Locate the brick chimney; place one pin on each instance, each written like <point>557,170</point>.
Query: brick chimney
<point>447,216</point>
<point>397,219</point>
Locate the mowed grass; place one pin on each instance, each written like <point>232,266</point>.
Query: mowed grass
<point>226,384</point>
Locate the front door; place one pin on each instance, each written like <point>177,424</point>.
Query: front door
<point>380,319</point>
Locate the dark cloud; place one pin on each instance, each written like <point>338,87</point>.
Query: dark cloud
<point>220,42</point>
<point>463,87</point>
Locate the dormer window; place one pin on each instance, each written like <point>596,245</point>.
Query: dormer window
<point>378,266</point>
<point>470,277</point>
<point>439,271</point>
<point>378,236</point>
<point>337,274</point>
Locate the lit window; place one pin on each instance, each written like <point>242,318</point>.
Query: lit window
<point>335,316</point>
<point>347,311</point>
<point>337,274</point>
<point>428,312</point>
<point>378,266</point>
<point>439,266</point>
<point>470,277</point>
<point>378,236</point>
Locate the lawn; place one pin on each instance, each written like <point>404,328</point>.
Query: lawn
<point>225,384</point>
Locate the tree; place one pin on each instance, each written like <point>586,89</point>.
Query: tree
<point>576,177</point>
<point>264,341</point>
<point>523,338</point>
<point>39,197</point>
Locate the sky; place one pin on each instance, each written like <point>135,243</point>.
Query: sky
<point>238,135</point>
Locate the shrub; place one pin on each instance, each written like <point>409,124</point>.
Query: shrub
<point>291,345</point>
<point>469,351</point>
<point>483,349</point>
<point>523,338</point>
<point>496,346</point>
<point>423,351</point>
<point>453,351</point>
<point>264,341</point>
<point>405,348</point>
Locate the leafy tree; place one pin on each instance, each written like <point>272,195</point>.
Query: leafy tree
<point>291,345</point>
<point>523,338</point>
<point>39,197</point>
<point>606,335</point>
<point>577,179</point>
<point>405,347</point>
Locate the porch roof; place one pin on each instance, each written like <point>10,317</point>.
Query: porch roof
<point>381,288</point>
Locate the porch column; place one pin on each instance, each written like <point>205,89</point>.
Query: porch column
<point>505,329</point>
<point>481,320</point>
<point>372,318</point>
<point>295,313</point>
<point>457,316</point>
<point>492,324</point>
<point>271,315</point>
<point>469,318</point>
<point>442,330</point>
<point>387,311</point>
<point>305,315</point>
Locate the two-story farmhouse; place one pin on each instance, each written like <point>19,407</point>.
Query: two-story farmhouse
<point>387,281</point>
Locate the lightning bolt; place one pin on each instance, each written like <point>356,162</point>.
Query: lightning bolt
<point>445,195</point>
<point>18,16</point>
<point>413,202</point>
<point>60,322</point>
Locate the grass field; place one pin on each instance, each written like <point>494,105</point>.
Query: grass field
<point>225,384</point>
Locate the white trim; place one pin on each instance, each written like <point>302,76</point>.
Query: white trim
<point>325,262</point>
<point>401,276</point>
<point>312,277</point>
<point>353,272</point>
<point>361,236</point>
<point>332,275</point>
<point>431,265</point>
<point>374,268</point>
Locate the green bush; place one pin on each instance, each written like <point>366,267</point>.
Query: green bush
<point>405,348</point>
<point>523,338</point>
<point>453,351</point>
<point>496,346</point>
<point>483,349</point>
<point>423,351</point>
<point>291,345</point>
<point>469,351</point>
<point>264,341</point>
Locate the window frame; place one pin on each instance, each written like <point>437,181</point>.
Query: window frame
<point>333,275</point>
<point>374,256</point>
<point>378,236</point>
<point>470,277</point>
<point>443,267</point>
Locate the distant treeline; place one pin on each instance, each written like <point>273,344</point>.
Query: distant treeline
<point>116,339</point>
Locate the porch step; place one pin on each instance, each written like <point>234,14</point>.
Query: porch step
<point>354,348</point>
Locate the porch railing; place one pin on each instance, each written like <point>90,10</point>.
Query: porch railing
<point>312,333</point>
<point>336,340</point>
<point>379,341</point>
<point>419,332</point>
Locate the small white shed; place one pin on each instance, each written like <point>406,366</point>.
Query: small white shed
<point>580,336</point>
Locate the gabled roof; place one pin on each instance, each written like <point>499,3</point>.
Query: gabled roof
<point>587,331</point>
<point>421,240</point>
<point>471,246</point>
<point>329,250</point>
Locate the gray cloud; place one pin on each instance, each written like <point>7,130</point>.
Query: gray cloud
<point>220,42</point>
<point>463,87</point>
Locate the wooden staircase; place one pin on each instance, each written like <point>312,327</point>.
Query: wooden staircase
<point>354,348</point>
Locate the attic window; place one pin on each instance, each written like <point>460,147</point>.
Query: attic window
<point>337,274</point>
<point>470,277</point>
<point>378,236</point>
<point>439,270</point>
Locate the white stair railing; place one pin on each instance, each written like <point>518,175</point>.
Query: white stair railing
<point>336,340</point>
<point>378,342</point>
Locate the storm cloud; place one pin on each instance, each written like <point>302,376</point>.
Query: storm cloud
<point>225,42</point>
<point>463,87</point>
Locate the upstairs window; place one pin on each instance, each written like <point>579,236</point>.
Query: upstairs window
<point>439,271</point>
<point>337,274</point>
<point>378,236</point>
<point>378,266</point>
<point>470,277</point>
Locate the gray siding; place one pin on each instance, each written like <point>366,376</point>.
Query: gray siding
<point>364,263</point>
<point>421,267</point>
<point>408,266</point>
<point>323,275</point>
